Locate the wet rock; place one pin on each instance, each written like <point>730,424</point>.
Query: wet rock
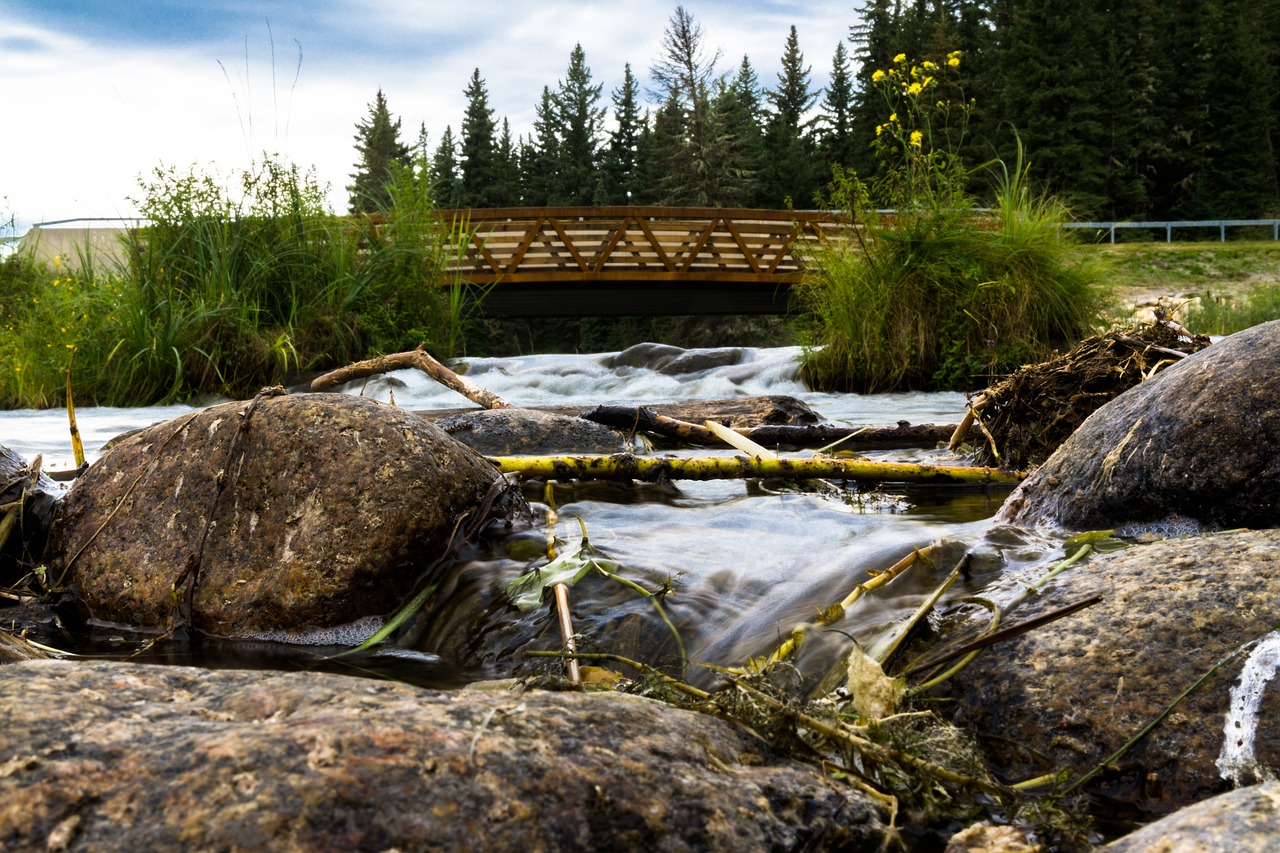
<point>20,550</point>
<point>509,432</point>
<point>698,360</point>
<point>1201,440</point>
<point>988,838</point>
<point>1242,821</point>
<point>117,756</point>
<point>1070,693</point>
<point>298,512</point>
<point>646,355</point>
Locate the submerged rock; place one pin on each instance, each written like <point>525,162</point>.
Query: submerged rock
<point>509,432</point>
<point>116,756</point>
<point>1242,821</point>
<point>1070,693</point>
<point>1201,441</point>
<point>289,513</point>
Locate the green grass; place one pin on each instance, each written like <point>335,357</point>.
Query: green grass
<point>228,290</point>
<point>941,299</point>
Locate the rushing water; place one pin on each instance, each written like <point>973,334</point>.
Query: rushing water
<point>746,560</point>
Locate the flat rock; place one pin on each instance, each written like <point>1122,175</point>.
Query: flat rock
<point>510,432</point>
<point>1199,441</point>
<point>301,512</point>
<point>1070,693</point>
<point>117,756</point>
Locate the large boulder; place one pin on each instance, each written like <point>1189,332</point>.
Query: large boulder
<point>1070,693</point>
<point>1199,441</point>
<point>288,514</point>
<point>117,756</point>
<point>1242,821</point>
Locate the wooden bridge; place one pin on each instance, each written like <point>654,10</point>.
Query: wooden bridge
<point>620,261</point>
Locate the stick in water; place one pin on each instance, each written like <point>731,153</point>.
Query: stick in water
<point>420,360</point>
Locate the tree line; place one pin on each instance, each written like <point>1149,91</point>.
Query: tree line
<point>1129,109</point>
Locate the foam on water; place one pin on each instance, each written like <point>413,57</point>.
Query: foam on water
<point>351,634</point>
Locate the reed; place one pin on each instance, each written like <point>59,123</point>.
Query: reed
<point>231,288</point>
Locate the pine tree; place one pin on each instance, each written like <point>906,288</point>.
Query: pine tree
<point>379,146</point>
<point>741,104</point>
<point>581,123</point>
<point>479,147</point>
<point>542,183</point>
<point>621,165</point>
<point>446,181</point>
<point>507,189</point>
<point>836,140</point>
<point>791,168</point>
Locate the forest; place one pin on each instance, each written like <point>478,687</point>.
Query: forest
<point>1128,109</point>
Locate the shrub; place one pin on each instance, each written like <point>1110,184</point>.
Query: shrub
<point>937,295</point>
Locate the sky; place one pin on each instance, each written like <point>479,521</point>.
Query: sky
<point>96,93</point>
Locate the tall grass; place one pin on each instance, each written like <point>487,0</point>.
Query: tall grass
<point>938,296</point>
<point>1218,314</point>
<point>230,288</point>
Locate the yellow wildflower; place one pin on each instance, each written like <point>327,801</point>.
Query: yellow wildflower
<point>877,76</point>
<point>953,59</point>
<point>57,259</point>
<point>917,139</point>
<point>928,66</point>
<point>914,89</point>
<point>893,117</point>
<point>926,82</point>
<point>900,58</point>
<point>879,129</point>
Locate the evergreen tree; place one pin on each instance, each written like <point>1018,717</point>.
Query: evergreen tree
<point>836,140</point>
<point>741,104</point>
<point>692,150</point>
<point>479,148</point>
<point>446,180</point>
<point>379,146</point>
<point>539,165</point>
<point>581,123</point>
<point>791,167</point>
<point>507,192</point>
<point>621,166</point>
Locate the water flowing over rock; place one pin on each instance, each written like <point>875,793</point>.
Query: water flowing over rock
<point>1201,441</point>
<point>1243,821</point>
<point>508,432</point>
<point>117,756</point>
<point>289,512</point>
<point>1067,695</point>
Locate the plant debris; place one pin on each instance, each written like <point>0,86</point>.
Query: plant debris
<point>1026,416</point>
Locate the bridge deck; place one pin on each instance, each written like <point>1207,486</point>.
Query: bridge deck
<point>634,260</point>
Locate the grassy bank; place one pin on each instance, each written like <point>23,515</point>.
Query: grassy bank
<point>234,285</point>
<point>1218,288</point>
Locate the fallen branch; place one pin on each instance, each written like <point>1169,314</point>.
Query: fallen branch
<point>418,359</point>
<point>644,419</point>
<point>624,466</point>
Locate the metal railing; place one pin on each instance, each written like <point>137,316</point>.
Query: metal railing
<point>1221,224</point>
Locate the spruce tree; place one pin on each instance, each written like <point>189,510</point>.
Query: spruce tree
<point>742,106</point>
<point>446,181</point>
<point>791,167</point>
<point>540,164</point>
<point>621,166</point>
<point>479,147</point>
<point>379,146</point>
<point>836,139</point>
<point>507,186</point>
<point>581,123</point>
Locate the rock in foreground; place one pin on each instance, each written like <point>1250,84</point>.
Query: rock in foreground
<point>291,513</point>
<point>1200,440</point>
<point>111,756</point>
<point>1243,821</point>
<point>1068,694</point>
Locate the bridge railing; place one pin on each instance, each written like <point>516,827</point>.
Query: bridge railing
<point>567,244</point>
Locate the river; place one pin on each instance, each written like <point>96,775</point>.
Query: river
<point>745,560</point>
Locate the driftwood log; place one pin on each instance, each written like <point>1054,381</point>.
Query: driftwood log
<point>418,359</point>
<point>646,419</point>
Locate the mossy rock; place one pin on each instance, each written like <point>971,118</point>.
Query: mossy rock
<point>291,513</point>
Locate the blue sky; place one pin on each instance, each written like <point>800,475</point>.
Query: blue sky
<point>97,92</point>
